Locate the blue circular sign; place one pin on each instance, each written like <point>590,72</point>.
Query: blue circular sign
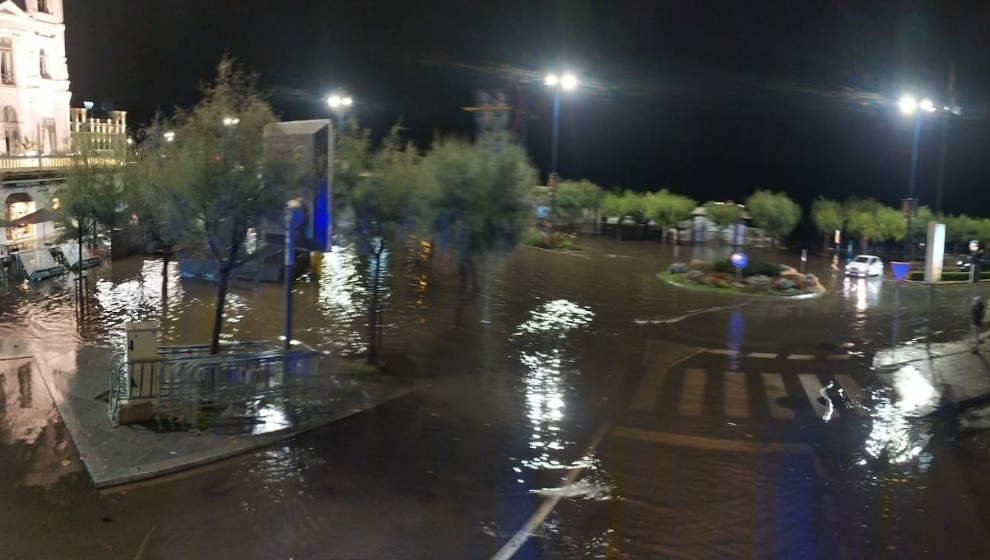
<point>739,260</point>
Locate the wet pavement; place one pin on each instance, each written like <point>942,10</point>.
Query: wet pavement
<point>610,413</point>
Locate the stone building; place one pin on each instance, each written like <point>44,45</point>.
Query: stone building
<point>39,131</point>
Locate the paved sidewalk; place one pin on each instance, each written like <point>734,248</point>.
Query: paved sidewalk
<point>134,452</point>
<point>929,378</point>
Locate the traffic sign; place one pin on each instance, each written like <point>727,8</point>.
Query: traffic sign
<point>739,260</point>
<point>900,270</point>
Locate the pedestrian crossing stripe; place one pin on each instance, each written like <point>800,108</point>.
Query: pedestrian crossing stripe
<point>741,399</point>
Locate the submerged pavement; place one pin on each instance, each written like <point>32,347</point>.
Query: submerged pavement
<point>129,453</point>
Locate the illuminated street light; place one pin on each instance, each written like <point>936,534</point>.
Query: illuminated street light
<point>927,106</point>
<point>334,101</point>
<point>231,121</point>
<point>568,82</point>
<point>908,104</point>
<point>169,136</point>
<point>346,101</point>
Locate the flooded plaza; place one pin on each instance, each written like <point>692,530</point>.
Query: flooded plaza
<point>570,405</point>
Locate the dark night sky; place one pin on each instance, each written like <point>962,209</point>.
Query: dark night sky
<point>712,99</point>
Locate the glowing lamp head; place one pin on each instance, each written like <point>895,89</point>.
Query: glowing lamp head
<point>927,106</point>
<point>568,82</point>
<point>346,101</point>
<point>907,104</point>
<point>551,80</point>
<point>334,101</point>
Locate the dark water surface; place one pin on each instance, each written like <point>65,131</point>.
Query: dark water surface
<point>522,373</point>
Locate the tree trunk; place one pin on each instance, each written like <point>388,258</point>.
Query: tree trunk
<point>222,281</point>
<point>373,312</point>
<point>165,258</point>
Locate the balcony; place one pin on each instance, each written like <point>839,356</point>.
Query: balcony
<point>53,162</point>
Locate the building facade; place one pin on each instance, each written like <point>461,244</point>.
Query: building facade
<point>38,131</point>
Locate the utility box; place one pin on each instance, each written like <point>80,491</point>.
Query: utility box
<point>142,341</point>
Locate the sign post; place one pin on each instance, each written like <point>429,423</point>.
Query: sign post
<point>900,270</point>
<point>739,260</point>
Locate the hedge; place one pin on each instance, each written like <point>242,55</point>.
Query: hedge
<point>947,276</point>
<point>754,268</point>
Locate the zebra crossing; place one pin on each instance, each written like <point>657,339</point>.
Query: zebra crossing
<point>738,395</point>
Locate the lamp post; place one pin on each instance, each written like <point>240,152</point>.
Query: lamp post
<point>566,82</point>
<point>909,106</point>
<point>340,103</point>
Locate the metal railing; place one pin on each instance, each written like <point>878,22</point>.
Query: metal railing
<point>187,379</point>
<point>52,161</point>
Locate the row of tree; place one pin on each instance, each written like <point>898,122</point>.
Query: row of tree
<point>776,213</point>
<point>201,181</point>
<point>870,220</point>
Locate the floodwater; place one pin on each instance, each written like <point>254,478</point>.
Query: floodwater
<point>528,375</point>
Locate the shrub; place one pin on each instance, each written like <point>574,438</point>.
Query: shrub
<point>677,268</point>
<point>754,268</point>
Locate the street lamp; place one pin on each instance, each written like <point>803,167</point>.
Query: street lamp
<point>169,136</point>
<point>231,121</point>
<point>910,106</point>
<point>340,103</point>
<point>566,82</point>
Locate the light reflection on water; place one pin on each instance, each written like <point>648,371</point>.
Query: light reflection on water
<point>341,297</point>
<point>547,378</point>
<point>896,435</point>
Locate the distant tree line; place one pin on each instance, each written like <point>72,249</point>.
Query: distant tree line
<point>775,213</point>
<point>869,221</point>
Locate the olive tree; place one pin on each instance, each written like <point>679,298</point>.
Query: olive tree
<point>153,194</point>
<point>722,213</point>
<point>573,198</point>
<point>776,213</point>
<point>478,199</point>
<point>382,190</point>
<point>828,216</point>
<point>668,209</point>
<point>222,180</point>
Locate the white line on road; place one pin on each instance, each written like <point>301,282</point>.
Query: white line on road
<point>800,356</point>
<point>722,352</point>
<point>773,383</point>
<point>712,444</point>
<point>736,397</point>
<point>838,357</point>
<point>534,522</point>
<point>693,393</point>
<point>648,391</point>
<point>766,355</point>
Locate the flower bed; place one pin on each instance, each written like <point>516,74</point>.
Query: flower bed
<point>766,279</point>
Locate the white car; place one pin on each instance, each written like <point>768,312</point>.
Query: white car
<point>865,265</point>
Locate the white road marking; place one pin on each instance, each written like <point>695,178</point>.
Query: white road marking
<point>648,391</point>
<point>736,397</point>
<point>522,535</point>
<point>813,389</point>
<point>711,444</point>
<point>766,355</point>
<point>800,356</point>
<point>722,352</point>
<point>693,394</point>
<point>838,357</point>
<point>773,384</point>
